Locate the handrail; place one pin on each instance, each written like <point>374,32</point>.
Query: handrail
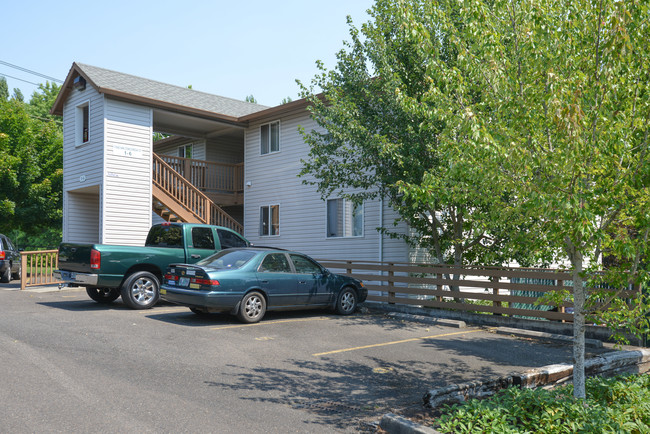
<point>209,175</point>
<point>190,197</point>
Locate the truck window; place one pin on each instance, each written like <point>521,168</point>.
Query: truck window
<point>165,236</point>
<point>202,238</point>
<point>229,239</point>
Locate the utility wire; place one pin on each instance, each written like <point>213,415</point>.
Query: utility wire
<point>47,77</point>
<point>16,78</point>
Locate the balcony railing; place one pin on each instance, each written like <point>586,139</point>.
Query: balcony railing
<point>208,176</point>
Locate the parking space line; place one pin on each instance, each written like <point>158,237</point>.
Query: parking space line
<point>395,342</point>
<point>267,323</point>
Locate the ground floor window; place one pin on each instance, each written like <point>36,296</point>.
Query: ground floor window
<point>270,220</point>
<point>344,218</point>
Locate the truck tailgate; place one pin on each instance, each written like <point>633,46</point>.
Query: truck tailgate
<point>75,257</point>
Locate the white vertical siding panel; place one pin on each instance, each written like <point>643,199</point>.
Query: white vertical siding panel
<point>82,166</point>
<point>303,216</point>
<point>128,170</point>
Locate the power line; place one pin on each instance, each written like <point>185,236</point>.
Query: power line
<point>20,68</point>
<point>16,78</point>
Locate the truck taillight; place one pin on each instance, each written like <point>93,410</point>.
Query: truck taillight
<point>2,254</point>
<point>95,259</point>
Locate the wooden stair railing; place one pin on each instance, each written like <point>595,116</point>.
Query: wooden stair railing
<point>186,201</point>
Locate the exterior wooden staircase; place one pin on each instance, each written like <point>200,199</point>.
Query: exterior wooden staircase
<point>176,199</point>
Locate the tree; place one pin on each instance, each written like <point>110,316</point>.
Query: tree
<point>532,116</point>
<point>251,99</point>
<point>30,168</point>
<point>4,89</point>
<point>575,111</point>
<point>392,128</point>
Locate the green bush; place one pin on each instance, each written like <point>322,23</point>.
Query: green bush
<point>613,405</point>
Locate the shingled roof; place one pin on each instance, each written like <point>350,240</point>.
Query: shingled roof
<point>156,94</point>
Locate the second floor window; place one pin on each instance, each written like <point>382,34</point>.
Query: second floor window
<point>83,124</point>
<point>185,151</point>
<point>270,138</point>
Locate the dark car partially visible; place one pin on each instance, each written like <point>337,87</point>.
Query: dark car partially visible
<point>9,260</point>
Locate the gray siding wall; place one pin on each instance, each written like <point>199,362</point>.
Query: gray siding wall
<point>303,215</point>
<point>128,165</point>
<point>172,149</point>
<point>226,149</point>
<point>82,168</point>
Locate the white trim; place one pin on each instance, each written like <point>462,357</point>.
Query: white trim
<point>345,220</point>
<point>259,230</point>
<point>78,123</point>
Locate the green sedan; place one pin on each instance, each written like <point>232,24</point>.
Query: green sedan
<point>249,281</point>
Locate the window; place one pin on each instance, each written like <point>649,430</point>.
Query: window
<point>186,151</point>
<point>270,220</point>
<point>270,137</point>
<point>82,124</point>
<point>304,265</point>
<point>229,239</point>
<point>275,263</point>
<point>344,218</point>
<point>165,235</point>
<point>202,238</point>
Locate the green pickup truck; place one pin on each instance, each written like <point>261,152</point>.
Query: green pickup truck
<point>109,271</point>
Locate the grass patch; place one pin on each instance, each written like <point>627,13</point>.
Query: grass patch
<point>613,405</point>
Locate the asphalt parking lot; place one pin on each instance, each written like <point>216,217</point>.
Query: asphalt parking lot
<point>70,364</point>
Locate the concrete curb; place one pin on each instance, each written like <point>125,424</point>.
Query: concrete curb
<point>429,320</point>
<point>607,364</point>
<point>394,424</point>
<point>637,361</point>
<point>593,343</point>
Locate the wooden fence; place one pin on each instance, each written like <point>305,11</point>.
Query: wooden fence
<point>488,290</point>
<point>37,268</point>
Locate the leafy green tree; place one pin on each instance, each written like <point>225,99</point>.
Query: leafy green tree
<point>251,99</point>
<point>392,128</point>
<point>533,115</point>
<point>43,100</point>
<point>4,89</point>
<point>30,170</point>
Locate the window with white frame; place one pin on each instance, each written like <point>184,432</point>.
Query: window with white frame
<point>270,220</point>
<point>270,138</point>
<point>344,218</point>
<point>186,151</point>
<point>82,123</point>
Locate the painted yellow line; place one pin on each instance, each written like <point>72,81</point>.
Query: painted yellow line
<point>267,323</point>
<point>395,342</point>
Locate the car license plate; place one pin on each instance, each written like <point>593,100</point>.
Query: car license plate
<point>184,281</point>
<point>163,291</point>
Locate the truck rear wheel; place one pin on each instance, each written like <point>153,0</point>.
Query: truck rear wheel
<point>103,295</point>
<point>140,290</point>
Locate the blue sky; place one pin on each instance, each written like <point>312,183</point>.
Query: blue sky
<point>227,48</point>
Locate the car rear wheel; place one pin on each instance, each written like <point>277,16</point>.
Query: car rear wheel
<point>103,295</point>
<point>16,275</point>
<point>346,303</point>
<point>141,290</point>
<point>6,276</point>
<point>252,307</point>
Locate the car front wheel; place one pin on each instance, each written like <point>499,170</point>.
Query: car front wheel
<point>252,307</point>
<point>346,302</point>
<point>141,290</point>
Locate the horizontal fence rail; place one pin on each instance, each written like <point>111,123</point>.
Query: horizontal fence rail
<point>37,268</point>
<point>488,290</point>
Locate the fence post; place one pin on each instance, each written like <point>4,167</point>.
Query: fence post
<point>495,291</point>
<point>23,271</point>
<point>561,309</point>
<point>438,287</point>
<point>391,284</point>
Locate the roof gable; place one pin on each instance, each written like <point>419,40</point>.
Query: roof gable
<point>149,92</point>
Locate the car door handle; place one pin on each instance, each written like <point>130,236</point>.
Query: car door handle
<point>265,281</point>
<point>302,281</point>
<point>195,256</point>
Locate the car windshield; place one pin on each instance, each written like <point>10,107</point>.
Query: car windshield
<point>225,260</point>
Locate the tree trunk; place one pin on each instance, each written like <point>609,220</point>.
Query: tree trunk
<point>578,327</point>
